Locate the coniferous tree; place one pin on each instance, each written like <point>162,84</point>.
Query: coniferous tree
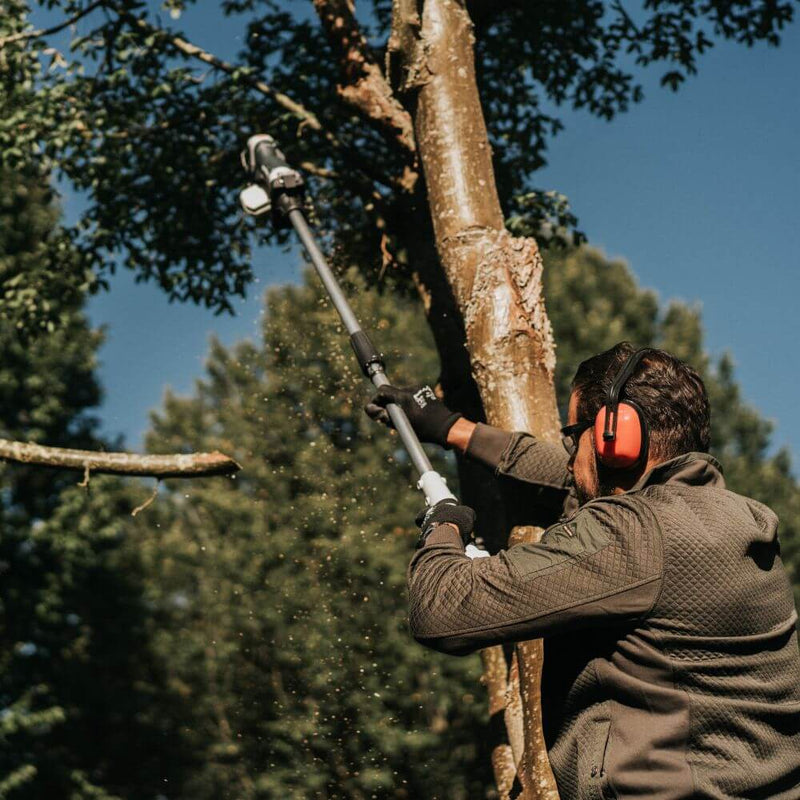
<point>75,664</point>
<point>280,594</point>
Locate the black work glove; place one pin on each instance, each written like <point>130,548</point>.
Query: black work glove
<point>446,511</point>
<point>430,418</point>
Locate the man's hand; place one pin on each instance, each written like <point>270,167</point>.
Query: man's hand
<point>430,418</point>
<point>446,512</point>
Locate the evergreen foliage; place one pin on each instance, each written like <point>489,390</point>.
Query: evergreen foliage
<point>281,594</point>
<point>75,721</point>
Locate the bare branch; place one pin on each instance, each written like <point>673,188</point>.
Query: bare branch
<point>365,87</point>
<point>180,465</point>
<point>38,34</point>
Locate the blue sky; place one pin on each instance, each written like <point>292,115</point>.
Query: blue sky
<point>697,190</point>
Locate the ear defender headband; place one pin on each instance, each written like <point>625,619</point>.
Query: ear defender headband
<point>620,432</point>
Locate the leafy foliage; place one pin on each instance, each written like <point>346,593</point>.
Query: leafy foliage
<point>148,131</point>
<point>39,276</point>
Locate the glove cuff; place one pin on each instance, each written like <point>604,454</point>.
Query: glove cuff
<point>442,533</point>
<point>444,428</point>
<point>463,517</point>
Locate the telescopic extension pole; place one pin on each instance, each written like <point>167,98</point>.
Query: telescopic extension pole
<point>278,188</point>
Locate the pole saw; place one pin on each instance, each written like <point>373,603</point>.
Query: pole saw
<point>279,189</point>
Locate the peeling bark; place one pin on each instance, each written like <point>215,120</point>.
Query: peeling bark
<point>496,284</point>
<point>364,86</point>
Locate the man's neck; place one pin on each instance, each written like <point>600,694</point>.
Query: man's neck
<point>628,481</point>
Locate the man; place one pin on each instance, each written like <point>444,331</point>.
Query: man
<point>671,657</point>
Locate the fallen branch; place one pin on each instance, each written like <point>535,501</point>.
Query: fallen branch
<point>181,465</point>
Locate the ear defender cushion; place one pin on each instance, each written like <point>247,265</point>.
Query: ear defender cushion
<point>625,449</point>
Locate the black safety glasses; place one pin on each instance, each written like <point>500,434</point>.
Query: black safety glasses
<point>571,433</point>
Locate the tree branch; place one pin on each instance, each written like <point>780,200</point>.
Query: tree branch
<point>181,465</point>
<point>193,51</point>
<point>365,87</point>
<point>38,34</point>
<point>188,49</point>
<point>353,157</point>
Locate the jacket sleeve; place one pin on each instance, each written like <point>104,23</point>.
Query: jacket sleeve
<point>524,458</point>
<point>604,565</point>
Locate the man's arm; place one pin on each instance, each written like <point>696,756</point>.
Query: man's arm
<point>516,455</point>
<point>537,465</point>
<point>602,566</point>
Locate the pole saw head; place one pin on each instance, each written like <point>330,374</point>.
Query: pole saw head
<point>274,186</point>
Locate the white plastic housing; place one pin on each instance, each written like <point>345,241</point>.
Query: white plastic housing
<point>254,200</point>
<point>434,488</point>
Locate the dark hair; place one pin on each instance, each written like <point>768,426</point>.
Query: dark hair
<point>670,394</point>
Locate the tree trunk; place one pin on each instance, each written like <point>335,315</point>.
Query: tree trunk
<point>495,280</point>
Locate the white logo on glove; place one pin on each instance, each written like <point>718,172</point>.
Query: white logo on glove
<point>423,396</point>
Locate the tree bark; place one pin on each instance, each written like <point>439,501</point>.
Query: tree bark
<point>364,86</point>
<point>495,280</point>
<point>181,465</point>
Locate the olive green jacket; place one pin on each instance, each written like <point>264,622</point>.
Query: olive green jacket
<point>671,658</point>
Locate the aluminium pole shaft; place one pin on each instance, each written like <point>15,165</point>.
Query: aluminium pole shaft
<point>279,188</point>
<point>378,377</point>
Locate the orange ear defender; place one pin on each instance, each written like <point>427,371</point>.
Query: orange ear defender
<point>620,430</point>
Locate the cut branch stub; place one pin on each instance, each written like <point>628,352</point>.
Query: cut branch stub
<point>405,63</point>
<point>180,465</point>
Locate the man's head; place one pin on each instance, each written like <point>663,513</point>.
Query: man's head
<point>673,401</point>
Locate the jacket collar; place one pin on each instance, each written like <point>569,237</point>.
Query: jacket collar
<point>689,469</point>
